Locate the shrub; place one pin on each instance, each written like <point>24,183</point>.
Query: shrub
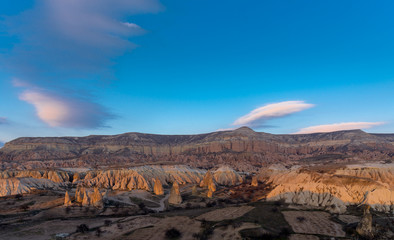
<point>83,228</point>
<point>173,233</point>
<point>301,219</point>
<point>107,222</point>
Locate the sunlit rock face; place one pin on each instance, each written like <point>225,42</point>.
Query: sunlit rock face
<point>175,195</point>
<point>53,175</point>
<point>254,182</point>
<point>226,176</point>
<point>333,191</point>
<point>13,186</point>
<point>143,177</point>
<point>158,188</point>
<point>67,200</point>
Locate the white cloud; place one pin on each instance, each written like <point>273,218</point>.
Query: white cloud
<point>225,129</point>
<point>58,111</point>
<point>269,111</point>
<point>339,127</point>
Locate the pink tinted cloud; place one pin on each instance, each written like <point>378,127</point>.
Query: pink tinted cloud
<point>58,111</point>
<point>339,127</point>
<point>269,111</point>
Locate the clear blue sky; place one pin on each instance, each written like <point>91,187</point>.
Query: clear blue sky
<point>194,66</point>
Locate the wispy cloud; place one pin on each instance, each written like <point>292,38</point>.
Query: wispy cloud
<point>258,116</point>
<point>339,127</point>
<point>3,120</point>
<point>62,112</point>
<point>70,46</point>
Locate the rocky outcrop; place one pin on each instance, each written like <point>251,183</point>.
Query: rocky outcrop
<point>13,186</point>
<point>67,200</point>
<point>56,176</point>
<point>364,227</point>
<point>158,188</point>
<point>175,195</point>
<point>242,149</point>
<point>254,182</point>
<point>85,200</point>
<point>194,190</point>
<point>96,199</point>
<point>143,177</point>
<point>226,176</point>
<point>329,190</point>
<point>209,193</point>
<point>79,194</point>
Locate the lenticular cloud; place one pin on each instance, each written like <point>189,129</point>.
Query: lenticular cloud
<point>70,46</point>
<point>275,110</point>
<point>339,127</point>
<point>62,112</point>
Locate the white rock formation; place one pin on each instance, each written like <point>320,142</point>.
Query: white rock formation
<point>143,177</point>
<point>330,190</point>
<point>227,176</point>
<point>13,186</point>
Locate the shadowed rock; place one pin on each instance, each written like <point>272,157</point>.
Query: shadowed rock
<point>194,190</point>
<point>364,227</point>
<point>175,195</point>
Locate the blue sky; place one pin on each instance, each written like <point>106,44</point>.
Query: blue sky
<point>83,67</point>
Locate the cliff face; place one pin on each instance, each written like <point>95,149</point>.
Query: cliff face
<point>242,149</point>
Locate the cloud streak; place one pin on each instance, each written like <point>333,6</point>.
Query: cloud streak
<point>339,127</point>
<point>3,120</point>
<point>70,46</point>
<point>62,112</point>
<point>258,116</point>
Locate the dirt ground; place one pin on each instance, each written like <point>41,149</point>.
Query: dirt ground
<point>225,213</point>
<point>313,222</point>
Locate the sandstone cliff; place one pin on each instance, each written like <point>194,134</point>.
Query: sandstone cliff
<point>332,191</point>
<point>242,149</point>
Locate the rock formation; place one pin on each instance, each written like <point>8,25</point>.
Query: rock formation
<point>79,194</point>
<point>329,190</point>
<point>96,199</point>
<point>241,149</point>
<point>143,177</point>
<point>254,182</point>
<point>76,177</point>
<point>67,200</point>
<point>13,186</point>
<point>364,227</point>
<point>85,200</point>
<point>158,188</point>
<point>209,193</point>
<point>194,190</point>
<point>225,175</point>
<point>175,195</point>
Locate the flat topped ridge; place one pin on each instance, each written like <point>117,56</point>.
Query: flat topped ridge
<point>179,139</point>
